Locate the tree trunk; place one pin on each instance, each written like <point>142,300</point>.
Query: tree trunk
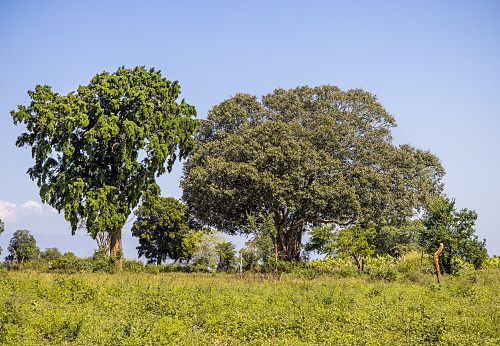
<point>289,243</point>
<point>158,260</point>
<point>115,247</point>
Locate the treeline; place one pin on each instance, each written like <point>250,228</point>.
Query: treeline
<point>169,233</point>
<point>309,160</point>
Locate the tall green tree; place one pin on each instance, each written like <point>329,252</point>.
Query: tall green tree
<point>161,230</point>
<point>455,229</point>
<point>99,150</point>
<point>22,245</point>
<point>308,155</point>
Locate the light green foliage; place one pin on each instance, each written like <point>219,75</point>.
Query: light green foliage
<point>22,245</point>
<point>352,242</point>
<point>346,242</point>
<point>99,149</point>
<point>261,246</point>
<point>205,254</point>
<point>309,156</point>
<point>161,230</point>
<point>492,263</point>
<point>189,245</point>
<point>455,229</point>
<point>200,309</point>
<point>322,240</point>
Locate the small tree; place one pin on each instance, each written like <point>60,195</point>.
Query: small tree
<point>22,245</point>
<point>161,230</point>
<point>322,240</point>
<point>189,246</point>
<point>226,255</point>
<point>455,229</point>
<point>50,254</point>
<point>396,239</point>
<point>206,255</point>
<point>261,246</point>
<point>347,242</point>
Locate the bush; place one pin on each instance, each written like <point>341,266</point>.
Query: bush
<point>387,274</point>
<point>133,266</point>
<point>71,264</point>
<point>152,269</point>
<point>283,266</point>
<point>103,264</point>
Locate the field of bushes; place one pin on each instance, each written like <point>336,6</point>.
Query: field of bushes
<point>394,304</point>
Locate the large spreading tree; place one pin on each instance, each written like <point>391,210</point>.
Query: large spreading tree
<point>309,156</point>
<point>99,150</point>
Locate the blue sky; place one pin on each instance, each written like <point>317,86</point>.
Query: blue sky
<point>434,65</point>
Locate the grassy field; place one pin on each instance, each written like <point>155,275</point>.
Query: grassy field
<point>39,308</point>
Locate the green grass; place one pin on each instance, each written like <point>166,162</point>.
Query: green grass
<point>222,309</point>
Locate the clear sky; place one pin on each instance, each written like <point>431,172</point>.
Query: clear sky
<point>434,65</point>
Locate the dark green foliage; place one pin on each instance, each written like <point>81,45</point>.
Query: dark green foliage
<point>226,255</point>
<point>163,231</point>
<point>455,229</point>
<point>308,156</point>
<point>22,245</point>
<point>396,240</point>
<point>99,149</point>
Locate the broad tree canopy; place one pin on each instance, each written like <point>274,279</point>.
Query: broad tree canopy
<point>97,151</point>
<point>308,155</point>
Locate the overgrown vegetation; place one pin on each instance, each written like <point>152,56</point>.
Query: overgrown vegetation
<point>307,306</point>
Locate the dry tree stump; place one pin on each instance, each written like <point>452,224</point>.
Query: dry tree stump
<point>436,262</point>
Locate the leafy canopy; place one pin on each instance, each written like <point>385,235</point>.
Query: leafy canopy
<point>162,231</point>
<point>22,245</point>
<point>226,255</point>
<point>309,156</point>
<point>99,149</point>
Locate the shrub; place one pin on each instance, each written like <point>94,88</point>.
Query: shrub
<point>387,274</point>
<point>133,266</point>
